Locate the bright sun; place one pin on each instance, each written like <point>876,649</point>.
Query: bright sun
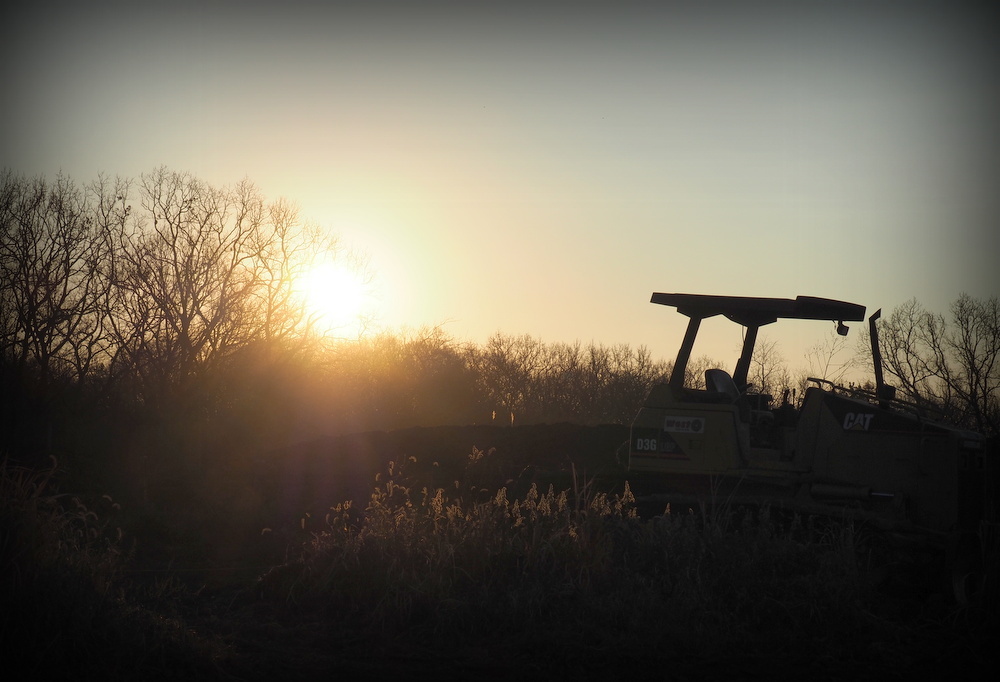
<point>338,298</point>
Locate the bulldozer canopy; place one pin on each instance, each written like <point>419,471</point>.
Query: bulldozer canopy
<point>751,311</point>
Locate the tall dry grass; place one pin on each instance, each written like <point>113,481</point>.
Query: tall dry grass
<point>570,569</point>
<point>68,612</point>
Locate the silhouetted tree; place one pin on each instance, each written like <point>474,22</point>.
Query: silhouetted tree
<point>694,373</point>
<point>559,383</point>
<point>507,368</point>
<point>949,368</point>
<point>633,374</point>
<point>52,252</point>
<point>200,276</point>
<point>537,382</point>
<point>768,371</point>
<point>390,381</point>
<point>832,358</point>
<point>151,297</point>
<point>55,242</point>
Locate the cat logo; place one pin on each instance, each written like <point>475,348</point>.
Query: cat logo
<point>857,421</point>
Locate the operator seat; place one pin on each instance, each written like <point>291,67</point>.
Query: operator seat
<point>718,380</point>
<point>758,423</point>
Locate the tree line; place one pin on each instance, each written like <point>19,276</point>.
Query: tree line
<point>166,304</point>
<point>948,365</point>
<point>167,307</point>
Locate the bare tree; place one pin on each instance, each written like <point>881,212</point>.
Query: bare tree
<point>560,382</point>
<point>629,376</point>
<point>831,359</point>
<point>52,250</point>
<point>906,355</point>
<point>203,274</point>
<point>694,373</point>
<point>951,369</point>
<point>538,382</point>
<point>286,249</point>
<point>974,343</point>
<point>508,367</point>
<point>768,371</point>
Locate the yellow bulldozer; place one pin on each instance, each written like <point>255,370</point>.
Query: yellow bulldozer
<point>841,452</point>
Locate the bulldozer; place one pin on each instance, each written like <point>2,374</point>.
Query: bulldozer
<point>842,452</point>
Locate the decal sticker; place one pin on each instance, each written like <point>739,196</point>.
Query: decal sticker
<point>684,424</point>
<point>650,443</point>
<point>858,421</point>
<point>852,415</point>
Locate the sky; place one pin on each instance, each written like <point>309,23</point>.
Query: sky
<point>541,169</point>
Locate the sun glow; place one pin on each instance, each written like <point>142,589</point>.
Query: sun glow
<point>338,299</point>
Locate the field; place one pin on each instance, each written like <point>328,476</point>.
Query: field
<point>479,551</point>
